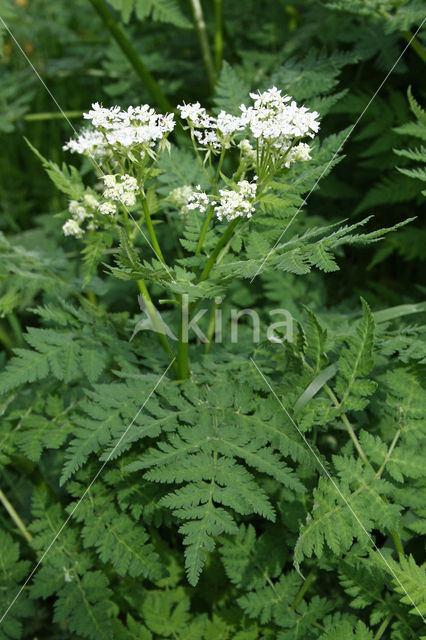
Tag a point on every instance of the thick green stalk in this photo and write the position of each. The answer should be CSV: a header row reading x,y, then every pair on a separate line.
x,y
200,26
309,580
218,35
131,54
15,517
182,353
383,626
223,240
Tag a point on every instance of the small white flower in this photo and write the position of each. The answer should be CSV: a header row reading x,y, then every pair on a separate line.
x,y
179,198
247,152
73,205
108,208
198,200
109,181
124,191
227,126
234,204
72,228
90,201
89,142
299,153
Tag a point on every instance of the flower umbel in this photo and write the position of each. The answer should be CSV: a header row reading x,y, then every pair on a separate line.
x,y
123,191
238,203
136,130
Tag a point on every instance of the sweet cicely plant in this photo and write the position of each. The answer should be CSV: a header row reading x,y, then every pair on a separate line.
x,y
126,148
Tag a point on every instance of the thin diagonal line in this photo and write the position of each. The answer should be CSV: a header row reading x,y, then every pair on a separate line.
x,y
58,533
336,487
339,148
76,133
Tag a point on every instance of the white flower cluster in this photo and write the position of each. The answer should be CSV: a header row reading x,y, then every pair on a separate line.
x,y
272,118
299,153
180,197
198,200
234,204
90,142
274,121
80,211
210,132
123,191
72,228
116,129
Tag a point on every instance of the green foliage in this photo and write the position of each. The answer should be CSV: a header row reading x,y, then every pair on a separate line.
x,y
13,571
277,493
158,10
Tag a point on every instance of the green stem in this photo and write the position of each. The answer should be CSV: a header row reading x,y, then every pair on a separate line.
x,y
4,338
383,627
211,328
218,36
204,231
154,319
349,428
36,117
309,580
131,54
415,44
222,241
16,328
15,517
151,232
143,288
219,167
182,353
200,26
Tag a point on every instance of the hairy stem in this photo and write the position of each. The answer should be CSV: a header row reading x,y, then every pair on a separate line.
x,y
131,54
200,26
15,517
